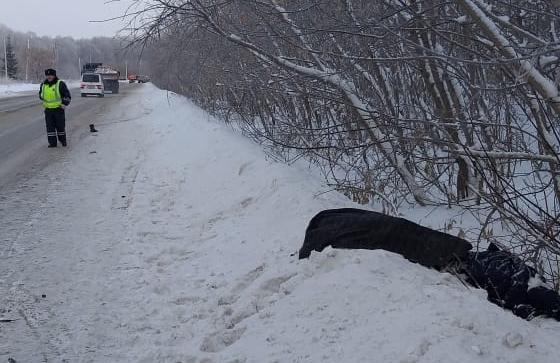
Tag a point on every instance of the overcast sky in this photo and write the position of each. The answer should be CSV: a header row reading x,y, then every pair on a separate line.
x,y
62,17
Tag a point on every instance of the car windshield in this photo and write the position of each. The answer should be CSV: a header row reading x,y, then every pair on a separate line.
x,y
94,78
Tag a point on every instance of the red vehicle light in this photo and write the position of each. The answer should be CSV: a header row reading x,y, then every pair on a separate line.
x,y
82,85
98,87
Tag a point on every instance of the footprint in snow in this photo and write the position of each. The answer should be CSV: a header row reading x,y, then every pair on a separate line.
x,y
218,341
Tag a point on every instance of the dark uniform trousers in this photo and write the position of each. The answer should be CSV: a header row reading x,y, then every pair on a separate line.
x,y
55,119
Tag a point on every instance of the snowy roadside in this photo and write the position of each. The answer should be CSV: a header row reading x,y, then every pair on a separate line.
x,y
166,237
12,89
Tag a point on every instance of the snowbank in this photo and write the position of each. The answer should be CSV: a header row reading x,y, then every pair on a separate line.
x,y
175,239
12,88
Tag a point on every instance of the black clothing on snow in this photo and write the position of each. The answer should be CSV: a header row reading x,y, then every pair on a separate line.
x,y
510,282
355,228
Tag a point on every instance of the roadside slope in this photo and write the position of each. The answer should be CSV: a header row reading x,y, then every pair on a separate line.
x,y
166,237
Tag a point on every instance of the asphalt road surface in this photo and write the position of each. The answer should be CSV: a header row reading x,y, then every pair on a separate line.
x,y
23,137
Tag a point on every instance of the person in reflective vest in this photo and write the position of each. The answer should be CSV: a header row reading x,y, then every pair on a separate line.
x,y
55,96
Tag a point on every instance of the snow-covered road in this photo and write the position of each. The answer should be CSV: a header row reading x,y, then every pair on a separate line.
x,y
23,138
167,237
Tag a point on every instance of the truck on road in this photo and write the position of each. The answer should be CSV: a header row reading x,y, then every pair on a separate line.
x,y
109,75
138,78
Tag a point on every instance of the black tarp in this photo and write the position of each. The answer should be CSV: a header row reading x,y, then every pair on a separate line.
x,y
362,229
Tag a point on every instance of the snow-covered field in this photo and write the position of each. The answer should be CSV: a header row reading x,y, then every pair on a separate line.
x,y
12,88
8,89
166,237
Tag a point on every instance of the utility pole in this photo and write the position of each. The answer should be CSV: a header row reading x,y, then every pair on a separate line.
x,y
5,59
79,65
55,54
126,68
27,60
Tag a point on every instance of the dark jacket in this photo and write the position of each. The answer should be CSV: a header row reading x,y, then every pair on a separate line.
x,y
64,91
512,284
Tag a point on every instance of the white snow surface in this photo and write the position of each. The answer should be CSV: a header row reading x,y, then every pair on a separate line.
x,y
13,88
10,88
167,237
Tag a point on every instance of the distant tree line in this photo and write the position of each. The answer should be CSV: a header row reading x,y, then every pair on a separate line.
x,y
425,102
31,54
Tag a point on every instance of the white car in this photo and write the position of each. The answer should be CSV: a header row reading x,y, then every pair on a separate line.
x,y
92,84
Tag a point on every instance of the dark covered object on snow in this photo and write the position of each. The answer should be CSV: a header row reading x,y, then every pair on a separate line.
x,y
356,228
511,283
504,276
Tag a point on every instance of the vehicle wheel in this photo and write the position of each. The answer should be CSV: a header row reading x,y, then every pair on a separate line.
x,y
101,96
84,95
